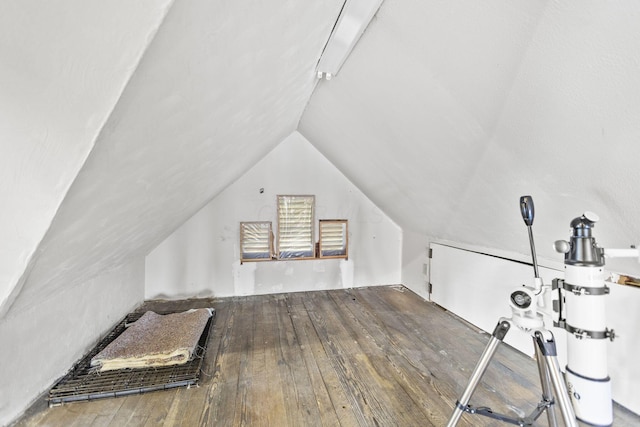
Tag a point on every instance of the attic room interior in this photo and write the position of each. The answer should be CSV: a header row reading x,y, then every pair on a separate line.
x,y
144,144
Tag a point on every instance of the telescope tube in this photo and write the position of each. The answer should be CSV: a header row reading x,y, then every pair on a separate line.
x,y
587,376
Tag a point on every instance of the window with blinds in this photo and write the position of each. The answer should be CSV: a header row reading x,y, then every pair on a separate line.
x,y
296,233
256,241
334,238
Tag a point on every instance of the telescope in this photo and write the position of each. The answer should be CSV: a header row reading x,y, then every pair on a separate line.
x,y
582,314
584,392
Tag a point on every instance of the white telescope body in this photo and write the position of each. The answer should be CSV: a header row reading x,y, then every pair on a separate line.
x,y
584,320
587,375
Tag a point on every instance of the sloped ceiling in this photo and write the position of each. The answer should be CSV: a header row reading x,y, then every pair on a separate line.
x,y
449,111
63,66
221,85
445,113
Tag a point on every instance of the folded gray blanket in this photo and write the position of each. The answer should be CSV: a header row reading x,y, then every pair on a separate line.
x,y
155,340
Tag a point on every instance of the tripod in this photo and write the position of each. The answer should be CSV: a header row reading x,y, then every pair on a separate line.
x,y
524,305
550,375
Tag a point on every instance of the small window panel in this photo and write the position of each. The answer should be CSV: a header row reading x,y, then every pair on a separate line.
x,y
334,238
296,232
256,241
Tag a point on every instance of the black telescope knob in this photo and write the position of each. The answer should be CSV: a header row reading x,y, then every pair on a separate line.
x,y
526,209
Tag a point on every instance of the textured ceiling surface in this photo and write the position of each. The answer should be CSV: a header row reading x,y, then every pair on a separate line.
x,y
448,112
221,84
444,115
63,66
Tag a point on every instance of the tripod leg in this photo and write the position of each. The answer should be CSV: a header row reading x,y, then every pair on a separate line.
x,y
496,338
548,350
545,381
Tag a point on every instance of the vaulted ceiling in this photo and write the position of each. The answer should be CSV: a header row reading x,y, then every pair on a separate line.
x,y
447,112
119,120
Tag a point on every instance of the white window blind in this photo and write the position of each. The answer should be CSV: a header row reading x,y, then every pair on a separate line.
x,y
256,241
333,238
296,231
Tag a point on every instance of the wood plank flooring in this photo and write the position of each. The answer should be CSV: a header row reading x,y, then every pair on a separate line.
x,y
378,356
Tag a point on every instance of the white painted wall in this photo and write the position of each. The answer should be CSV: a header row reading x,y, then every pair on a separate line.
x,y
415,263
476,287
41,343
201,258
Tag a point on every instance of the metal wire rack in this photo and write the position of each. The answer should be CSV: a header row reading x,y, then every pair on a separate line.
x,y
84,383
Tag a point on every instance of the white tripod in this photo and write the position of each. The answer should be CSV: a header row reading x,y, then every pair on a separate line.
x,y
527,304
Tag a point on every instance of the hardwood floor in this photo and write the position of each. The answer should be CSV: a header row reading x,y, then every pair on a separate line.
x,y
378,356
